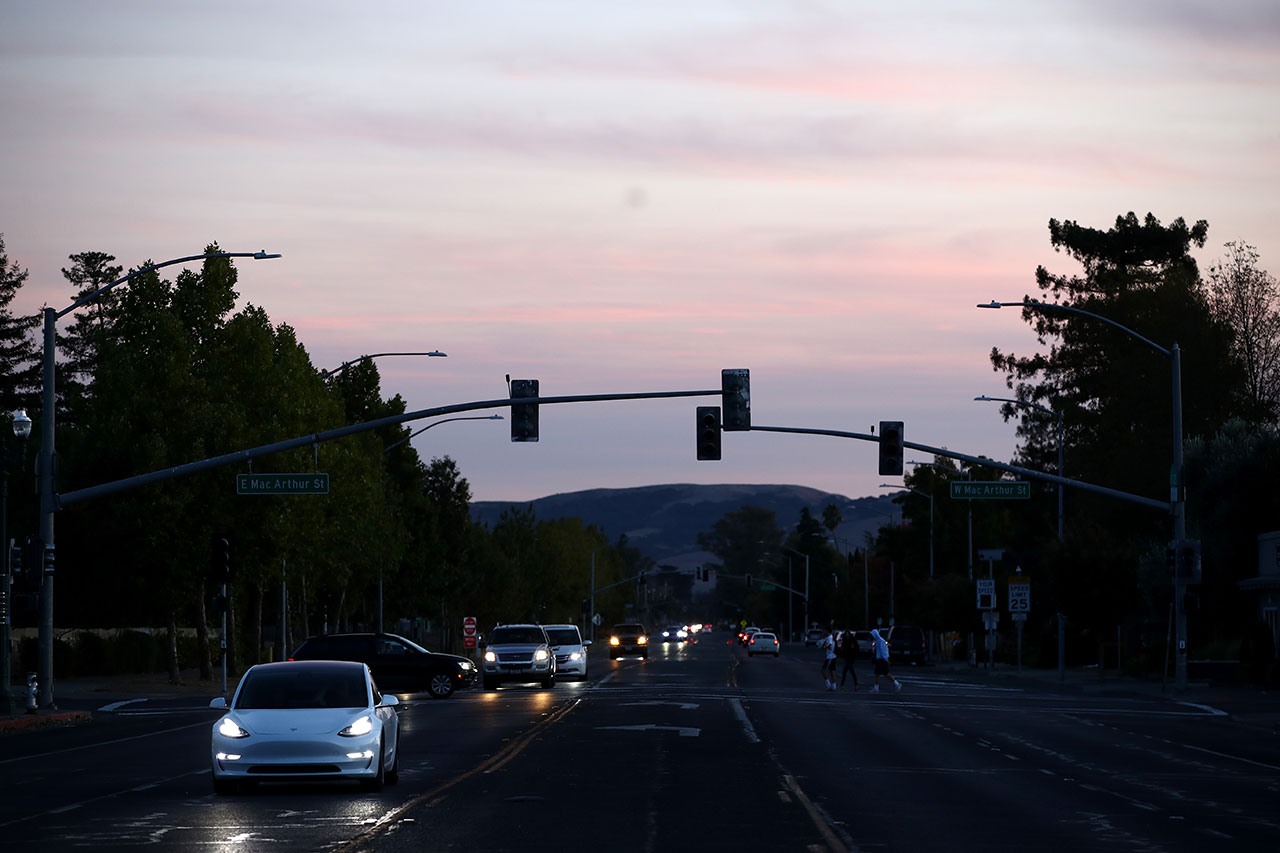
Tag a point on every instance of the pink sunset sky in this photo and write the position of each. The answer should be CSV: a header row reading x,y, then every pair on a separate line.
x,y
627,197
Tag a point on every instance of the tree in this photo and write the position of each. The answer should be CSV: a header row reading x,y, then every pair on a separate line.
x,y
1247,300
81,345
19,359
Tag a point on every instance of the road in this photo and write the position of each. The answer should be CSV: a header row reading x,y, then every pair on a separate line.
x,y
698,748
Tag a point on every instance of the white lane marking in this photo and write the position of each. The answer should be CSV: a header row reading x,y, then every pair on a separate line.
x,y
685,731
115,705
684,706
1208,708
741,714
71,806
1232,757
25,758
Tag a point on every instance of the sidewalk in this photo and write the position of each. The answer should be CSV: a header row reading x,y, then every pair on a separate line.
x,y
77,698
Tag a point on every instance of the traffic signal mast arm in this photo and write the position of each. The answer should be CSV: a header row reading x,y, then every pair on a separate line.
x,y
978,460
64,500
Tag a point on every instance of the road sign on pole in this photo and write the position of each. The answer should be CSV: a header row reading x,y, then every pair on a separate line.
x,y
986,594
995,489
1019,596
468,632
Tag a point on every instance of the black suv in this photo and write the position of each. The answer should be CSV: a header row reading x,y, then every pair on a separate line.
x,y
398,665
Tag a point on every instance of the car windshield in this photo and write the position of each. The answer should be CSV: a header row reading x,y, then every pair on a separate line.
x,y
516,635
628,629
303,687
564,636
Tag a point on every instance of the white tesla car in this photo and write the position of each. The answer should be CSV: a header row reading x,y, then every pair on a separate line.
x,y
306,720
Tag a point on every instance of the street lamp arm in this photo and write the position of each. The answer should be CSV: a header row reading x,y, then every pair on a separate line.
x,y
89,297
325,374
984,398
437,423
1054,306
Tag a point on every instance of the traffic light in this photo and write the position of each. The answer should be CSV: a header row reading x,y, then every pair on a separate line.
x,y
32,559
709,433
735,397
1187,561
890,448
524,416
15,559
220,563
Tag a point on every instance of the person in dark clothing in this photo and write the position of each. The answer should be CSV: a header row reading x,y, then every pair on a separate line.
x,y
848,654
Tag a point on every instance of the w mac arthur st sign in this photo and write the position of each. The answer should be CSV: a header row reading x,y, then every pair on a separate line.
x,y
282,484
997,489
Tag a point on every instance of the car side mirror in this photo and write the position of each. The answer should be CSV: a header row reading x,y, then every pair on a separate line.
x,y
586,642
219,702
388,699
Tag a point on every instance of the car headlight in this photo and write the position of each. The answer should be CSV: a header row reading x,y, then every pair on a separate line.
x,y
613,641
228,728
641,640
464,665
362,726
490,656
540,654
575,656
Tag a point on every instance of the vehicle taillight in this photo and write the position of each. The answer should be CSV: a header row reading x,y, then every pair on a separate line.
x,y
753,640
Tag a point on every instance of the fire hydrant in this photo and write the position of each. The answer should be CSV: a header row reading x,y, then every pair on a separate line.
x,y
33,690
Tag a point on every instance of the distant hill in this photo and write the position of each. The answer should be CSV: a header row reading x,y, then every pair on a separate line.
x,y
664,521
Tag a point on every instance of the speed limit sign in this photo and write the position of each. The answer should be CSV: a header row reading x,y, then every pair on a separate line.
x,y
1019,596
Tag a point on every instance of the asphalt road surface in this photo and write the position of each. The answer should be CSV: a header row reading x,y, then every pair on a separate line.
x,y
699,748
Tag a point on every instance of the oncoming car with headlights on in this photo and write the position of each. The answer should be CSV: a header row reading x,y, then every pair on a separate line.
x,y
629,638
306,721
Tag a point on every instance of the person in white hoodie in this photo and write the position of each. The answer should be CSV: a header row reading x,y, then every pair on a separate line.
x,y
882,662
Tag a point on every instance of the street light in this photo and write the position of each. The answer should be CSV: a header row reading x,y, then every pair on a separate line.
x,y
930,497
325,374
1177,497
47,456
21,429
806,581
391,447
416,433
1055,413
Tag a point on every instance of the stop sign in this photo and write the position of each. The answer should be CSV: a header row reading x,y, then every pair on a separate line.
x,y
468,626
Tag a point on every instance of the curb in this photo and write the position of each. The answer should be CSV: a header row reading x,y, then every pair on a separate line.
x,y
35,721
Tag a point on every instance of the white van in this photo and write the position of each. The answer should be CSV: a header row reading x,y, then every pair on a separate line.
x,y
570,651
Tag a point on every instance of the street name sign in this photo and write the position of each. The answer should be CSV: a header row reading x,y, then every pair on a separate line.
x,y
994,489
767,587
282,484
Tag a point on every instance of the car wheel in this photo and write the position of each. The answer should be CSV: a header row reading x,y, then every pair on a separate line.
x,y
440,686
775,654
224,787
375,784
548,682
490,684
393,775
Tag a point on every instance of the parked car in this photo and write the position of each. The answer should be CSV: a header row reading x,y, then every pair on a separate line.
x,y
570,650
399,665
907,644
519,653
763,643
628,638
306,720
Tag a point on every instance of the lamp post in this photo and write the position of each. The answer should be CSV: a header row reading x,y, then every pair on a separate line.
x,y
591,617
1177,497
806,581
390,447
47,457
21,429
1055,413
326,374
930,497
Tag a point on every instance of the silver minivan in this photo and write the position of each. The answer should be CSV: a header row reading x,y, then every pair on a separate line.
x,y
570,651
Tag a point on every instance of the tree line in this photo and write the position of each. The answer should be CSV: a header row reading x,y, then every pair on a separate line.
x,y
161,372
